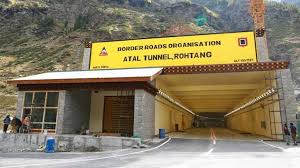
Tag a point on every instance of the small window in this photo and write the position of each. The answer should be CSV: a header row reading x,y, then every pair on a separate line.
x,y
26,112
39,99
50,115
41,108
28,99
52,99
49,126
36,126
37,115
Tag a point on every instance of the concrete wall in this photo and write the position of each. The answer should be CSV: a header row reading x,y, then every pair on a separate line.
x,y
251,118
163,115
97,108
187,121
285,109
86,59
287,94
167,115
74,111
144,114
60,112
262,49
20,101
65,143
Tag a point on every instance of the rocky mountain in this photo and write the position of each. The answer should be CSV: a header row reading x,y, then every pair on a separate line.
x,y
47,35
293,2
282,25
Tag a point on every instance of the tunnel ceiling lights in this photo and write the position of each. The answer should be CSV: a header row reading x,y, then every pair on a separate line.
x,y
268,93
170,99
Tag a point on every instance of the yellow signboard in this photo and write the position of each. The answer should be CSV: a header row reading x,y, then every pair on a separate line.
x,y
175,51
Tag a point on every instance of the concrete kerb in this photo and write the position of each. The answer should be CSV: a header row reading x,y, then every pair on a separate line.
x,y
17,142
65,143
155,141
282,146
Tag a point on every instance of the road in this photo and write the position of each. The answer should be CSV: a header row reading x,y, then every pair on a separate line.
x,y
174,153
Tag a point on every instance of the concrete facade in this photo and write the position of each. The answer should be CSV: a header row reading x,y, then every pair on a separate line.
x,y
262,49
60,112
74,111
97,108
79,108
144,114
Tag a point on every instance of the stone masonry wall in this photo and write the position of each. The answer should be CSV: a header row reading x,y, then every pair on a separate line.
x,y
262,49
286,92
74,111
144,114
60,112
21,97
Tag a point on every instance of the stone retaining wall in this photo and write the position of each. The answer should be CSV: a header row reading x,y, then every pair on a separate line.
x,y
65,143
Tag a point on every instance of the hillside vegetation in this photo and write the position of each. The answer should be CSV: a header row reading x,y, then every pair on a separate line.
x,y
47,35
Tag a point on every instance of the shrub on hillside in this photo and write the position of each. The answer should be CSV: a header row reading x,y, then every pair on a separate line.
x,y
81,22
45,25
119,1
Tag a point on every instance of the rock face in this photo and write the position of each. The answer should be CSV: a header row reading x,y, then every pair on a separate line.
x,y
42,35
294,2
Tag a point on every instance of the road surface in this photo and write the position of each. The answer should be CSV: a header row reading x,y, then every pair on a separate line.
x,y
174,153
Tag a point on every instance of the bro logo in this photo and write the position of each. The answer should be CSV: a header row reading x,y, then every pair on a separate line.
x,y
243,42
103,52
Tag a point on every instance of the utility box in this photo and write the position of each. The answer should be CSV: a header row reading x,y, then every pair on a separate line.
x,y
162,133
50,145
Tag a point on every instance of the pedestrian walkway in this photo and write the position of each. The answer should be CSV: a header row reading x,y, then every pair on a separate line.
x,y
284,147
220,133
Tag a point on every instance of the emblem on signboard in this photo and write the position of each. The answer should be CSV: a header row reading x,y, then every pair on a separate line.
x,y
243,42
103,52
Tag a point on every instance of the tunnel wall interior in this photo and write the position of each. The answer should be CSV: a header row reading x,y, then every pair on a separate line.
x,y
169,116
262,118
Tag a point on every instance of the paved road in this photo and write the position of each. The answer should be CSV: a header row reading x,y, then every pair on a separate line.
x,y
176,153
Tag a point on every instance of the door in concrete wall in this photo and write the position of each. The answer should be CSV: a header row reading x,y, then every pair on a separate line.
x,y
118,115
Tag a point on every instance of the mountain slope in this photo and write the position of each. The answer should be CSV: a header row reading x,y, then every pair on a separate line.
x,y
282,25
294,2
41,35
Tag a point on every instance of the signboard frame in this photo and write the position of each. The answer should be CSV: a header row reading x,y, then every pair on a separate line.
x,y
149,38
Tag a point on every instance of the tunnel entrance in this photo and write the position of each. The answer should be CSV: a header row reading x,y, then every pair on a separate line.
x,y
210,119
246,102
